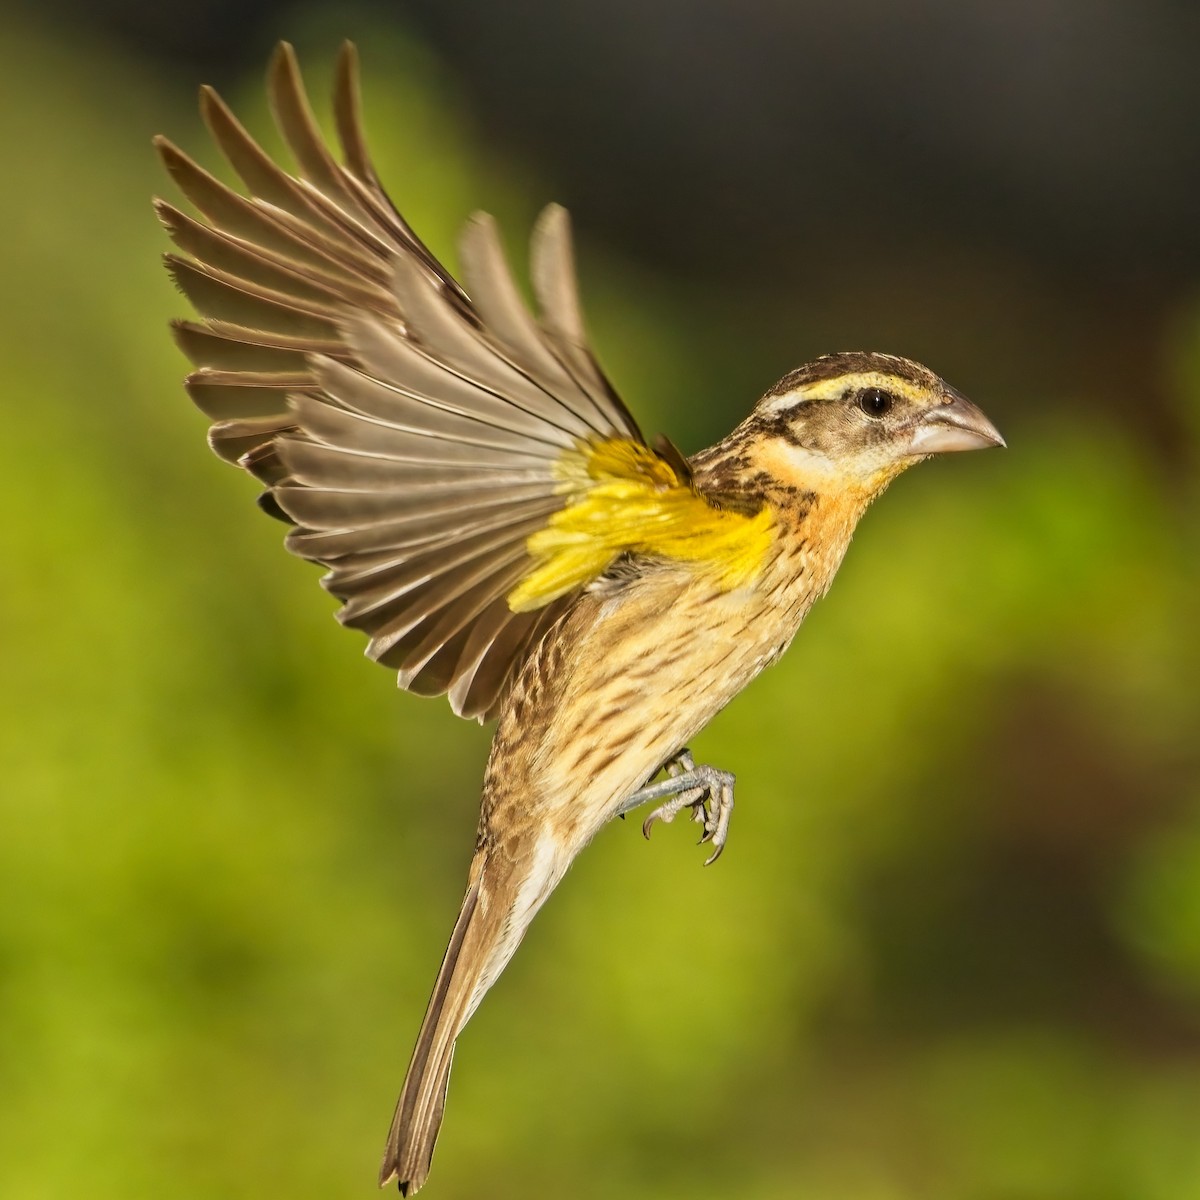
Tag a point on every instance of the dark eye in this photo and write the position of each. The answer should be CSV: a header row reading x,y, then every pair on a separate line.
x,y
875,402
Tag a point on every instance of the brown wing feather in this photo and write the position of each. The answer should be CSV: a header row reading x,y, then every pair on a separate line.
x,y
408,432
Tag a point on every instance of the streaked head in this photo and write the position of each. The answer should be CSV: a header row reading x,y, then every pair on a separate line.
x,y
858,419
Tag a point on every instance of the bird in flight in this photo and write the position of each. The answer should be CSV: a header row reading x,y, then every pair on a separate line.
x,y
490,515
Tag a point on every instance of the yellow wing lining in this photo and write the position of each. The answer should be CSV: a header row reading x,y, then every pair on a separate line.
x,y
625,498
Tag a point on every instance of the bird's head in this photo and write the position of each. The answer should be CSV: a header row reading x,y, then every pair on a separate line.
x,y
854,421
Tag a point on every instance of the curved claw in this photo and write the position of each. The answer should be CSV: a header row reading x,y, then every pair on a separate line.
x,y
717,829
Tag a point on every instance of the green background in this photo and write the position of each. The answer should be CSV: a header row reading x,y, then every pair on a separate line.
x,y
953,948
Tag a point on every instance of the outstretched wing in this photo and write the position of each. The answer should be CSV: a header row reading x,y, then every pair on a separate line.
x,y
413,432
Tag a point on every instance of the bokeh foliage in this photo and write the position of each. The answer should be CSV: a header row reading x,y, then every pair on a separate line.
x,y
952,952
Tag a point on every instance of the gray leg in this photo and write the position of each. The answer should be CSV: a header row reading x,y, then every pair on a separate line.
x,y
705,790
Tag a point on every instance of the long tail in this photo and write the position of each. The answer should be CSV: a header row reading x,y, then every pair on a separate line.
x,y
467,970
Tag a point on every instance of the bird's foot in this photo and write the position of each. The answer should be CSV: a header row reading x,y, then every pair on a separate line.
x,y
706,791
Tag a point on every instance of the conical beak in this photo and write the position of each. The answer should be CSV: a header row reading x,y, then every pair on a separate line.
x,y
956,425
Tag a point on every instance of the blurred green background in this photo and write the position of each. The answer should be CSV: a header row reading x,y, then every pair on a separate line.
x,y
953,950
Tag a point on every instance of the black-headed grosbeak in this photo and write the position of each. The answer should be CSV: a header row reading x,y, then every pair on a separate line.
x,y
491,516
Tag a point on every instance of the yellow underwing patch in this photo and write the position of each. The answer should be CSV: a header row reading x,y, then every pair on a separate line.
x,y
626,498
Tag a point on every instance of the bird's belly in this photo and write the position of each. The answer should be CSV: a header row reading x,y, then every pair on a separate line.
x,y
637,696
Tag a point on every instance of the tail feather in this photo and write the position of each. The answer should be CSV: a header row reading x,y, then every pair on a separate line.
x,y
504,894
419,1110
